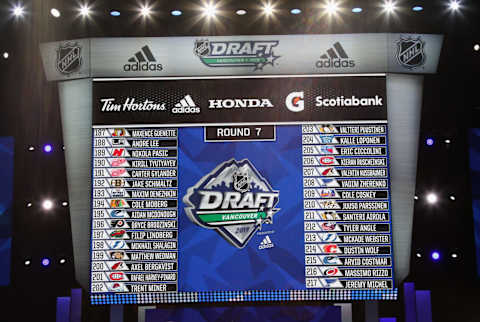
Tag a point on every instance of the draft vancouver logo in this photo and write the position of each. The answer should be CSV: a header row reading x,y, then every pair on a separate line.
x,y
256,54
233,199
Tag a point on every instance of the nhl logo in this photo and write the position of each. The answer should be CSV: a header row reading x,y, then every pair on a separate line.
x,y
202,47
410,52
241,183
69,58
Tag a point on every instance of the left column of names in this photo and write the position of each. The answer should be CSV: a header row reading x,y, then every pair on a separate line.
x,y
134,210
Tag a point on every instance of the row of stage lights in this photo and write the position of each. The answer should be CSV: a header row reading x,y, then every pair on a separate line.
x,y
436,255
44,262
210,10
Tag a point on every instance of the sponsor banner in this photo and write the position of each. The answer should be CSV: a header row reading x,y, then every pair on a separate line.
x,y
246,100
242,55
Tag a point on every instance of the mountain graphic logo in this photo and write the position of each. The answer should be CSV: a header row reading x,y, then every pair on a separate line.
x,y
214,203
335,57
266,243
186,106
143,61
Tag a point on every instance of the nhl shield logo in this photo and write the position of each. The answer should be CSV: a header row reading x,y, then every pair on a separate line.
x,y
202,47
241,182
410,52
69,58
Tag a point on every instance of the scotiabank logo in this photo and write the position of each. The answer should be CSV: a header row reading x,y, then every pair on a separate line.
x,y
294,101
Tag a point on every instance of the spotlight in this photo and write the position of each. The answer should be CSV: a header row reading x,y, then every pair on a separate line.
x,y
448,141
27,262
84,10
55,12
454,255
18,11
357,10
241,12
210,10
29,204
65,203
331,7
389,6
429,141
115,13
6,55
432,198
416,197
47,204
176,13
62,261
295,11
435,256
452,198
267,9
454,5
47,148
145,11
417,8
418,255
31,148
476,47
45,262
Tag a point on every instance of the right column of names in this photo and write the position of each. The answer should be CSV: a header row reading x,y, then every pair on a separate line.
x,y
347,224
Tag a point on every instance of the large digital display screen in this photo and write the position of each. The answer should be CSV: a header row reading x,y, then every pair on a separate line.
x,y
6,207
475,180
240,189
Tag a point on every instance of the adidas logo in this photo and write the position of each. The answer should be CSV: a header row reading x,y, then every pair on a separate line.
x,y
335,57
143,60
266,243
186,106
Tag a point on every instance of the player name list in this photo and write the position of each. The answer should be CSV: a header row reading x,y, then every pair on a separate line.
x,y
135,209
347,224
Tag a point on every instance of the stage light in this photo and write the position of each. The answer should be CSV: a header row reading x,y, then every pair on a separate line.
x,y
389,6
417,8
145,11
454,255
241,12
295,11
357,10
115,13
6,55
418,255
31,148
430,141
432,198
452,198
84,10
435,256
331,7
29,204
454,5
47,204
65,203
176,13
416,197
209,10
18,11
27,262
47,148
448,141
45,262
267,9
62,261
476,47
55,12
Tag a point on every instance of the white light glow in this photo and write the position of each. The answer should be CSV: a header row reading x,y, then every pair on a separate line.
x,y
55,12
84,10
210,10
18,11
454,5
47,204
389,6
432,198
331,7
268,9
145,11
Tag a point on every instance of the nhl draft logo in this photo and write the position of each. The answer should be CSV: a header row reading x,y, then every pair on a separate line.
x,y
256,54
69,58
410,52
233,199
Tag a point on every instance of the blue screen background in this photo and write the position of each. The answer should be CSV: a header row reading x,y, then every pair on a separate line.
x,y
6,207
475,182
206,260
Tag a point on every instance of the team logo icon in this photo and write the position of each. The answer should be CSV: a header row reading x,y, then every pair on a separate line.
x,y
331,249
118,132
410,52
331,271
118,223
329,215
329,183
116,244
329,238
118,214
118,255
329,204
117,287
117,266
234,199
118,142
330,260
327,129
117,183
69,58
118,233
117,203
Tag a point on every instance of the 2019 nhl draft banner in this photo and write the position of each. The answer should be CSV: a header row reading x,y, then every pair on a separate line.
x,y
245,189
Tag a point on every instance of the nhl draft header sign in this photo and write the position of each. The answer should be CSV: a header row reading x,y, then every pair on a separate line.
x,y
242,55
240,189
